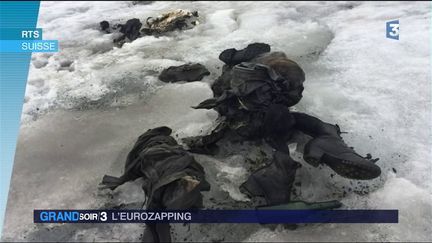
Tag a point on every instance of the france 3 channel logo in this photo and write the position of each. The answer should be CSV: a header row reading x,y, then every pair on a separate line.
x,y
392,29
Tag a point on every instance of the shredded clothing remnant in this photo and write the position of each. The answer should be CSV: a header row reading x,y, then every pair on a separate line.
x,y
172,178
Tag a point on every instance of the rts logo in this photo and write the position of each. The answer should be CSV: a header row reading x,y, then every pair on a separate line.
x,y
392,29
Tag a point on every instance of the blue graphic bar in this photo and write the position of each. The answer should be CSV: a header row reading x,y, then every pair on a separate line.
x,y
14,70
216,216
20,34
28,45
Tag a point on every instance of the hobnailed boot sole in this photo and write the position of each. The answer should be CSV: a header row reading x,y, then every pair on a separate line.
x,y
353,170
355,167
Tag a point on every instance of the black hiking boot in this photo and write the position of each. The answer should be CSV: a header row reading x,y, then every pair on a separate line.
x,y
333,151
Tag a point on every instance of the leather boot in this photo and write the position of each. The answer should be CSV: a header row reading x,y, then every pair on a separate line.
x,y
331,150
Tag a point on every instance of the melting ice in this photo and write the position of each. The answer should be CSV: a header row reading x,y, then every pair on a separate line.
x,y
85,106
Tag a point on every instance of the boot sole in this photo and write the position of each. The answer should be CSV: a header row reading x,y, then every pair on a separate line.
x,y
359,170
353,170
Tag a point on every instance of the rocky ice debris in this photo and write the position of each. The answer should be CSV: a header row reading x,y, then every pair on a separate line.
x,y
66,65
186,72
130,30
141,2
104,26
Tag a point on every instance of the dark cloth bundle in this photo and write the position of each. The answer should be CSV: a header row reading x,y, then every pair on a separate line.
x,y
172,178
